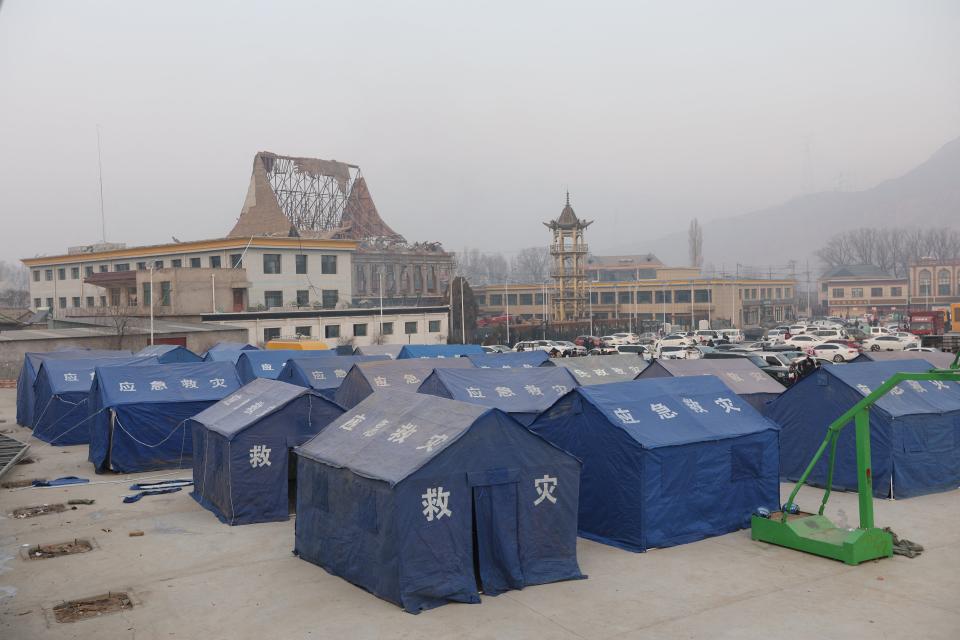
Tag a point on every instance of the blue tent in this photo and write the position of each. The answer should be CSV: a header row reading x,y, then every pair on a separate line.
x,y
439,350
511,360
269,362
941,359
323,375
914,430
406,375
227,352
666,461
26,401
523,394
241,448
139,413
405,495
389,350
745,378
62,391
168,353
592,370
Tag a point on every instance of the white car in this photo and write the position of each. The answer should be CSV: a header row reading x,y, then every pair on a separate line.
x,y
543,345
923,349
675,340
831,334
805,341
798,329
776,336
887,343
571,349
668,352
626,338
835,352
905,336
735,336
878,331
703,336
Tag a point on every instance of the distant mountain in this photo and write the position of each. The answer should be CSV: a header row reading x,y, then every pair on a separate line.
x,y
928,195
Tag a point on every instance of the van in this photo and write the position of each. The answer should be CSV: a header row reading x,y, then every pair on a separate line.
x,y
733,335
879,331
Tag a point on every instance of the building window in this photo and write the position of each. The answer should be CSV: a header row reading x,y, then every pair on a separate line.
x,y
512,298
682,295
141,266
925,285
158,264
131,296
876,292
36,303
856,292
49,303
165,292
215,262
74,273
787,292
432,279
410,328
48,274
838,293
103,301
271,263
328,265
386,329
360,330
63,303
75,302
331,331
433,326
61,274
701,295
90,301
624,297
329,298
236,260
36,276
123,266
271,333
496,299
943,283
662,297
303,297
526,298
538,299
272,299
779,291
644,297
147,294
176,263
481,300
114,297
301,263
896,292
194,263
304,332
607,297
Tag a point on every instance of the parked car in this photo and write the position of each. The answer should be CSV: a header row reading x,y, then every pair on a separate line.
x,y
887,343
905,336
878,331
626,338
777,336
836,352
703,336
687,352
587,341
923,349
733,335
608,341
495,348
675,340
572,349
798,329
774,368
855,334
806,342
549,346
831,335
635,349
647,338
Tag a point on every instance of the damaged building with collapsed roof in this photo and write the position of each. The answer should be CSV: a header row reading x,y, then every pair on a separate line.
x,y
327,199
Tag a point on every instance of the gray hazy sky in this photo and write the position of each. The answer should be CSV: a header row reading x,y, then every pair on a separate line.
x,y
469,120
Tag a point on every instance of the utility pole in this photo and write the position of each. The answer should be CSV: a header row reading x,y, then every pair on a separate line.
x,y
151,304
463,316
506,300
103,219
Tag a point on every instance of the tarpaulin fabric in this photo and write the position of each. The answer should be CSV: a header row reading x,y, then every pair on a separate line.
x,y
666,461
389,350
522,393
241,444
511,360
937,359
745,378
62,389
439,350
227,352
324,375
914,428
386,498
26,400
405,375
168,353
232,346
139,413
593,370
268,363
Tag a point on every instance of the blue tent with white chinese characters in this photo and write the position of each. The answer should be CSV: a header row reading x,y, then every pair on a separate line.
x,y
389,350
592,370
268,363
139,413
62,390
407,493
404,375
169,353
666,461
323,375
914,429
241,448
745,378
439,350
511,360
939,359
523,394
26,400
227,352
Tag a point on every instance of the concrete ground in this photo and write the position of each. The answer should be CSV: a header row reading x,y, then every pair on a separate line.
x,y
193,577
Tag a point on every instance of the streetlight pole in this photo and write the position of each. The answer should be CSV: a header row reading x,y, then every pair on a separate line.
x,y
506,300
151,304
590,303
463,316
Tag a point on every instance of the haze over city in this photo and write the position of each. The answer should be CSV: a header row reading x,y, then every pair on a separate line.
x,y
468,123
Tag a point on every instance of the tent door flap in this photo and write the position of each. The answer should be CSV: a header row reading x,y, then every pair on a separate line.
x,y
497,536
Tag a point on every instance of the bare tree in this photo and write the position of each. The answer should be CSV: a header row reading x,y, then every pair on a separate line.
x,y
891,249
532,264
695,243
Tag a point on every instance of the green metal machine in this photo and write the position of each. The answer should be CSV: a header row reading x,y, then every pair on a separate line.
x,y
815,533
